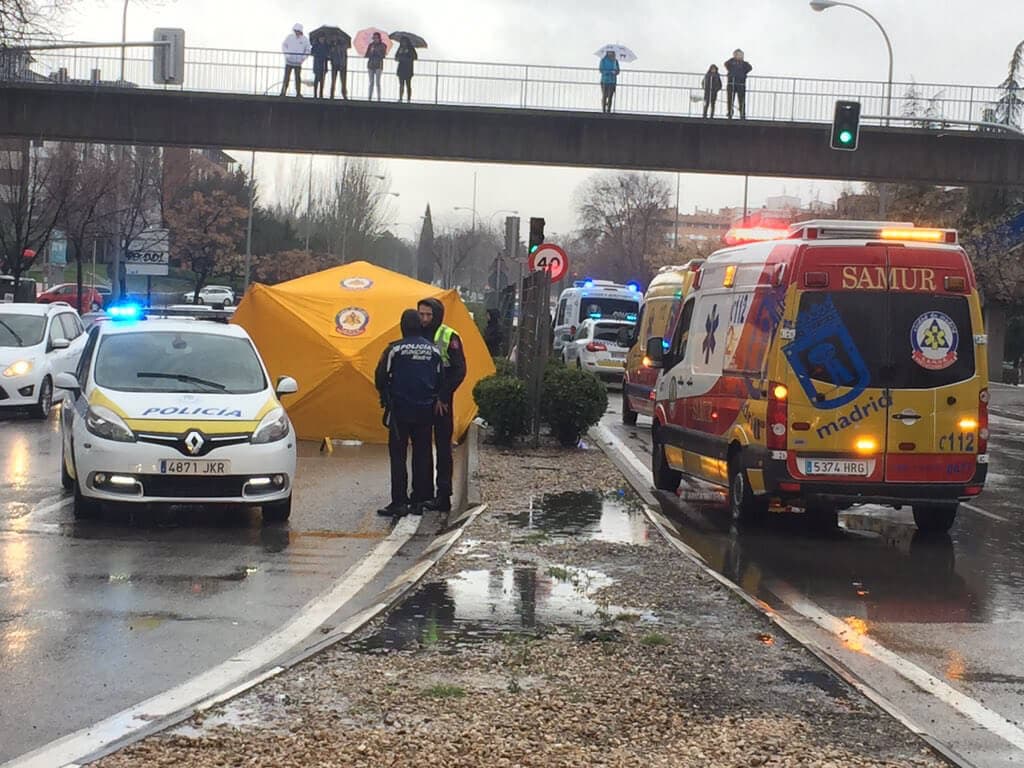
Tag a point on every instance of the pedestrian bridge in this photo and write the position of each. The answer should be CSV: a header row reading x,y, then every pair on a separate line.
x,y
509,113
504,135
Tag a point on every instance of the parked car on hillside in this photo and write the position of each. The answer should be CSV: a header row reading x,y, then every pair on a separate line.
x,y
214,295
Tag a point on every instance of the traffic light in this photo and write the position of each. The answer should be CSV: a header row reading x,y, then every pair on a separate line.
x,y
536,234
846,125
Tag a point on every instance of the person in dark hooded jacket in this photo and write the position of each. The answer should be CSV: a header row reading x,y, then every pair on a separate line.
x,y
409,380
453,357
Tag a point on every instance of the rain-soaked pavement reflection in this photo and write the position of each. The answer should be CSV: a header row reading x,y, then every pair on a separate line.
x,y
483,604
616,517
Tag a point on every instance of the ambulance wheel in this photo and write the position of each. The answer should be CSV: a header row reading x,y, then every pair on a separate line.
x,y
278,511
822,516
744,506
628,414
935,518
665,478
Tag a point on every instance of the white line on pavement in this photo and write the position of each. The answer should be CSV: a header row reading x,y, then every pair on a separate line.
x,y
986,513
988,719
72,748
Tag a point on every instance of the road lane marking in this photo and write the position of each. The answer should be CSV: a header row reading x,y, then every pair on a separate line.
x,y
974,710
71,749
986,513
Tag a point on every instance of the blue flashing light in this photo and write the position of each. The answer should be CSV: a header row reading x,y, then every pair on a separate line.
x,y
631,317
595,315
633,286
588,283
665,344
125,312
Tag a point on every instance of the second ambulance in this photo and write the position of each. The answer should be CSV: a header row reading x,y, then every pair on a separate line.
x,y
843,365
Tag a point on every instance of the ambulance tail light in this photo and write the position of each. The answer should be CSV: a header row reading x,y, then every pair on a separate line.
x,y
983,421
777,417
816,280
697,278
955,283
596,346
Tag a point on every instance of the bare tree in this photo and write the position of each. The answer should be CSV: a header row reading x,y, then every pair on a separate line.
x,y
464,255
623,214
139,197
21,20
349,208
90,212
33,194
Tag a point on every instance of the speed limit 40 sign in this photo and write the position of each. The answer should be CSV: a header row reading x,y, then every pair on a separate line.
x,y
551,258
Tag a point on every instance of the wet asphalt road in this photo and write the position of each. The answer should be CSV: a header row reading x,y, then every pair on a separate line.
x,y
97,616
952,605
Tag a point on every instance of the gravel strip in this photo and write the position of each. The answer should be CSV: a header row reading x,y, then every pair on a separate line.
x,y
553,644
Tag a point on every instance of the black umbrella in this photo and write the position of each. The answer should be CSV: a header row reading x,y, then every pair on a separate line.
x,y
332,35
415,40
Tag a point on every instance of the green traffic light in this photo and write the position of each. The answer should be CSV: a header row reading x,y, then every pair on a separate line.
x,y
534,248
846,137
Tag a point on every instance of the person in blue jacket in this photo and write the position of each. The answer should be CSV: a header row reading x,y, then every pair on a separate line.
x,y
609,77
409,380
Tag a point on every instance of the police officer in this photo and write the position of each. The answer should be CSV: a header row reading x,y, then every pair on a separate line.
x,y
453,356
408,378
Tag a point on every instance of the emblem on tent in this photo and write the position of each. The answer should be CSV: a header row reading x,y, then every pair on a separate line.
x,y
357,283
352,321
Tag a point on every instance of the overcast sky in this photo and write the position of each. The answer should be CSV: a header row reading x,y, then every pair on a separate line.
x,y
947,41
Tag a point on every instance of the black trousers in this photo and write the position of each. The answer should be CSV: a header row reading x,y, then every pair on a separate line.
x,y
709,104
444,430
607,96
401,433
288,70
739,90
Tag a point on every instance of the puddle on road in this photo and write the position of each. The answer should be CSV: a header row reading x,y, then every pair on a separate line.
x,y
478,605
616,517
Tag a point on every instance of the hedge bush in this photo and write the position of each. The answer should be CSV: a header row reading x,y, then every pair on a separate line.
x,y
574,401
502,404
504,367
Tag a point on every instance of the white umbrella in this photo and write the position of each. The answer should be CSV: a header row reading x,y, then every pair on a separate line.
x,y
622,53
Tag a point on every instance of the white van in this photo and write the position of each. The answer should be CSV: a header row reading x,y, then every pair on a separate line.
x,y
593,300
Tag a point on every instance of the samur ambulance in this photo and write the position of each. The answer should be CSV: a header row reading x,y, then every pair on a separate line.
x,y
843,365
175,411
593,300
661,303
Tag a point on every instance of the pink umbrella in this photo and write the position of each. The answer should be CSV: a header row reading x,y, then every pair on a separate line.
x,y
365,36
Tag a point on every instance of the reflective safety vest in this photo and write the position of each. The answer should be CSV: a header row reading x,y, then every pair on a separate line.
x,y
443,338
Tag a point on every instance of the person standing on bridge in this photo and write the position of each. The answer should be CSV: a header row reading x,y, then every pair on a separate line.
x,y
295,48
409,380
453,357
738,69
375,53
712,85
609,68
321,52
405,57
338,56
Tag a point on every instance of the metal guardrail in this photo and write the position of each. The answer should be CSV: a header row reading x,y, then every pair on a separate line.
x,y
523,86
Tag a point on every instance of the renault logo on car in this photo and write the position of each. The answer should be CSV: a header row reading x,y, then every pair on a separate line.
x,y
194,442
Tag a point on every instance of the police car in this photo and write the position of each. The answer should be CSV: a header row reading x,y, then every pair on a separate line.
x,y
175,411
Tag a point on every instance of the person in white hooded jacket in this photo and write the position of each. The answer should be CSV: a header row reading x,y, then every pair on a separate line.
x,y
295,48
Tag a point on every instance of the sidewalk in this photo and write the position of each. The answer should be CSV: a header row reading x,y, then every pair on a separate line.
x,y
561,631
1007,401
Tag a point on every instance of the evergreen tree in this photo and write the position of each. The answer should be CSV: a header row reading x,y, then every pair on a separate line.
x,y
425,250
1010,107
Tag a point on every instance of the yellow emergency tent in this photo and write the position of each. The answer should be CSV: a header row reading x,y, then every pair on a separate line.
x,y
328,330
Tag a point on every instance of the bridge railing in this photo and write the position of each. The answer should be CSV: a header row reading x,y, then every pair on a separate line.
x,y
485,84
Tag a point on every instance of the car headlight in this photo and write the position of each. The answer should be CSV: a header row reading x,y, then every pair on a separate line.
x,y
19,368
104,423
272,428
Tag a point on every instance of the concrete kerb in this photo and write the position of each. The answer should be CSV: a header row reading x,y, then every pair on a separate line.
x,y
626,462
388,598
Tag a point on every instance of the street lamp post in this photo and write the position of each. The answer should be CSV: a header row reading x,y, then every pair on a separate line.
x,y
822,5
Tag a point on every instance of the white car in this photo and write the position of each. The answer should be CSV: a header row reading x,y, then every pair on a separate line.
x,y
600,347
176,412
37,342
214,295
